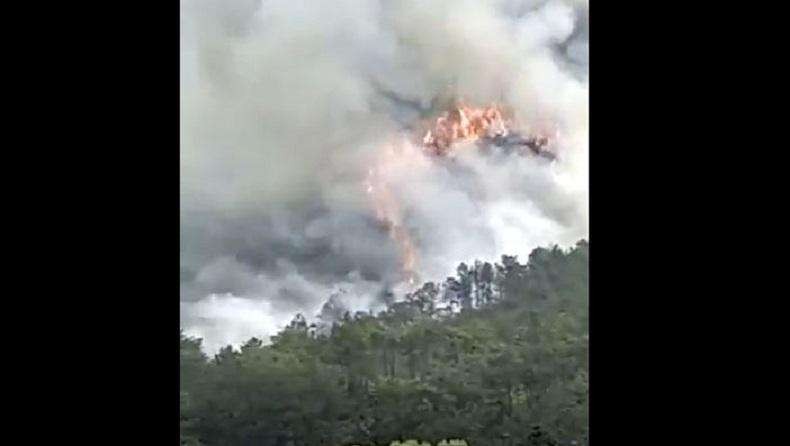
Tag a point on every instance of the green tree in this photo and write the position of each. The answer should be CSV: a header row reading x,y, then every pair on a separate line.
x,y
509,369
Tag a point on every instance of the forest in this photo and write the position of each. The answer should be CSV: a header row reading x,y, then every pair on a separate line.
x,y
496,355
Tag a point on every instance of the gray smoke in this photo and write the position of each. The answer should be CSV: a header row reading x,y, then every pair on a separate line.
x,y
286,103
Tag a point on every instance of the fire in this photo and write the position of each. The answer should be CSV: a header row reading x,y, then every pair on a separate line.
x,y
389,212
461,124
464,124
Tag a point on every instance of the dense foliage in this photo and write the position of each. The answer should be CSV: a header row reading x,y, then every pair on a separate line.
x,y
496,355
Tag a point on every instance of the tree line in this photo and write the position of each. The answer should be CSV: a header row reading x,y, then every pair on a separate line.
x,y
496,355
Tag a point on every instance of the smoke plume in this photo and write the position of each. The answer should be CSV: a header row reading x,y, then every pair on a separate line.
x,y
287,105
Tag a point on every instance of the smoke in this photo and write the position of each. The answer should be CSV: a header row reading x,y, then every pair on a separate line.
x,y
285,105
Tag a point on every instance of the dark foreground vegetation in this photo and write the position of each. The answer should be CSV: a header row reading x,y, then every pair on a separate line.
x,y
507,366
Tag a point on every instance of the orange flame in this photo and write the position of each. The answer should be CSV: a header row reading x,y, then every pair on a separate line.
x,y
461,124
389,213
464,124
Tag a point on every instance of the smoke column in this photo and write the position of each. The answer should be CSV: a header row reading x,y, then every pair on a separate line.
x,y
286,106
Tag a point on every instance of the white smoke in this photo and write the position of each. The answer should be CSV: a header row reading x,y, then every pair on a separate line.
x,y
240,304
285,104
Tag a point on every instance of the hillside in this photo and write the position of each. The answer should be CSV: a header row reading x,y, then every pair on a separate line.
x,y
497,354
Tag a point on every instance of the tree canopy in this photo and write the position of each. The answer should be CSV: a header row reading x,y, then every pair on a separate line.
x,y
497,355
